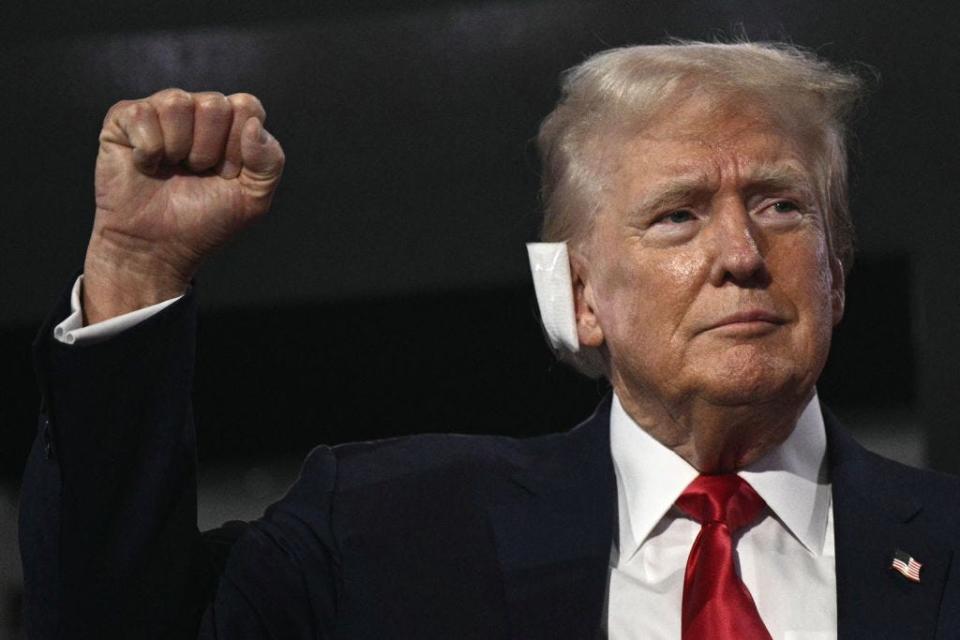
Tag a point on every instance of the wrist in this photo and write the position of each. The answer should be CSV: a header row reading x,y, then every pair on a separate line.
x,y
116,282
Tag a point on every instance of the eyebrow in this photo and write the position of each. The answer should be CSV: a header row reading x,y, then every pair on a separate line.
x,y
779,177
673,192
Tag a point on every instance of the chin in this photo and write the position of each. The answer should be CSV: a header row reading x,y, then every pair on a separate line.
x,y
756,380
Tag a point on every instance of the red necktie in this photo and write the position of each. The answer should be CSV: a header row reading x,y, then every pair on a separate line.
x,y
716,603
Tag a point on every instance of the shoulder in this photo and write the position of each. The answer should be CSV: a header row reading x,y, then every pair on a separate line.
x,y
425,469
931,497
379,497
938,492
456,458
429,457
439,478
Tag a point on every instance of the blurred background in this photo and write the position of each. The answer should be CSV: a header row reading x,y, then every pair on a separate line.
x,y
387,292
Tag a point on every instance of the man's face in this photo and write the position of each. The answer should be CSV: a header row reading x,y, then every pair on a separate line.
x,y
707,274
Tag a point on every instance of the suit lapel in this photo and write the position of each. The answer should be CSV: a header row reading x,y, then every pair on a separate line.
x,y
553,524
876,511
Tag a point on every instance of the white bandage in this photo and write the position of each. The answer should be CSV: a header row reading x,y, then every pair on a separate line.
x,y
550,266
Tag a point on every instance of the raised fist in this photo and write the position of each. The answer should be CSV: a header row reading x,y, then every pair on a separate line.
x,y
178,174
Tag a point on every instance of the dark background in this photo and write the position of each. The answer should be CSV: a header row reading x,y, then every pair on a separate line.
x,y
387,291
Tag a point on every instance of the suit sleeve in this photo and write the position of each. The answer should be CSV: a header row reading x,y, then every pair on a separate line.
x,y
108,532
108,516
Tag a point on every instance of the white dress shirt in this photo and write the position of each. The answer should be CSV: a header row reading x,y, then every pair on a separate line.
x,y
72,331
786,559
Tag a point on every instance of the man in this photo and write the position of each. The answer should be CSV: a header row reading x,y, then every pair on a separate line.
x,y
700,192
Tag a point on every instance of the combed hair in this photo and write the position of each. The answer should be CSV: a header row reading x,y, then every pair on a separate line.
x,y
621,91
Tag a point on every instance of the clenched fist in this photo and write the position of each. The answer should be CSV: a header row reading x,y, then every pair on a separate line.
x,y
178,174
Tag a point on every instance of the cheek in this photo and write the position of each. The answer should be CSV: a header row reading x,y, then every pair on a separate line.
x,y
644,300
621,300
808,281
681,271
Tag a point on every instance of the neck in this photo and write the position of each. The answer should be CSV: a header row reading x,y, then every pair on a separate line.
x,y
711,437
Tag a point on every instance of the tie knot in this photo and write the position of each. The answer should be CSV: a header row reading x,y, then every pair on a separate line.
x,y
722,498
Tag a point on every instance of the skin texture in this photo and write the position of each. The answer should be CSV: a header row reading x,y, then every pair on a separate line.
x,y
178,175
707,282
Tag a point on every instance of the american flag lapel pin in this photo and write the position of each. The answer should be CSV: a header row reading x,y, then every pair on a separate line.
x,y
904,564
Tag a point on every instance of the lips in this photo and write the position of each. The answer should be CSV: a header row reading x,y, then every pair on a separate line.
x,y
750,318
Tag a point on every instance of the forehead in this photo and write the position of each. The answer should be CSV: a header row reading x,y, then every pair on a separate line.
x,y
698,145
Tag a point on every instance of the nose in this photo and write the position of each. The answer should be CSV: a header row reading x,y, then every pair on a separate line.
x,y
738,255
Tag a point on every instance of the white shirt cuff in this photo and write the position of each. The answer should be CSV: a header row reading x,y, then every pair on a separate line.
x,y
72,331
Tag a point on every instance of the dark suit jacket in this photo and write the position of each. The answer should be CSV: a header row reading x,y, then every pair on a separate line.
x,y
438,536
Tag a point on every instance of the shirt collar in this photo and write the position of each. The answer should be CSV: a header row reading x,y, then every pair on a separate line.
x,y
791,478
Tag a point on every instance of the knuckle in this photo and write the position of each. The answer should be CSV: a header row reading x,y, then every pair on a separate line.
x,y
211,102
137,109
120,104
173,99
247,103
114,109
130,112
120,108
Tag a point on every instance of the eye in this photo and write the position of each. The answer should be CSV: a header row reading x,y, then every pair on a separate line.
x,y
780,214
677,217
785,206
673,227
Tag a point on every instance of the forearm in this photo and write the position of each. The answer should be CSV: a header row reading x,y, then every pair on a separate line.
x,y
108,525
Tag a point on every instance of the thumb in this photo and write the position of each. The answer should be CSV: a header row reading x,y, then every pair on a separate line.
x,y
260,152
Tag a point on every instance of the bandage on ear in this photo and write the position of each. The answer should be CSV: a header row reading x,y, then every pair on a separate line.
x,y
550,267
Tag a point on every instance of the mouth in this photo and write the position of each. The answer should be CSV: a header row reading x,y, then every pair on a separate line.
x,y
748,322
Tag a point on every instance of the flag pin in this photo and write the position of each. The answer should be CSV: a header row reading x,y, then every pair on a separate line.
x,y
904,564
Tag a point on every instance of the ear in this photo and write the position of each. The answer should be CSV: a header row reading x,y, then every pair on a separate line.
x,y
589,331
838,289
